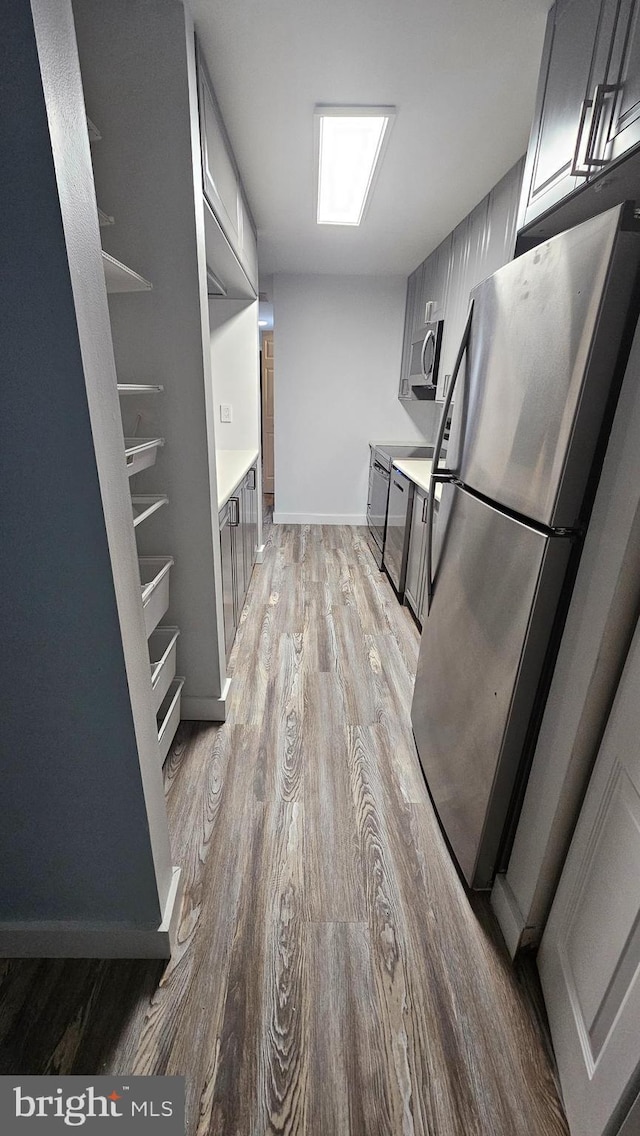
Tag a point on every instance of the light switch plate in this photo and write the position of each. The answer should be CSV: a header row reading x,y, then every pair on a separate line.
x,y
226,412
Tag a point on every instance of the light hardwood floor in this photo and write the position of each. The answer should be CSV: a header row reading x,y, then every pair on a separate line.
x,y
331,978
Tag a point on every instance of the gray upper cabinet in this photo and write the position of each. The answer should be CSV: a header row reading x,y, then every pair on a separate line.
x,y
248,243
502,217
620,119
220,179
414,284
588,106
478,246
457,300
553,155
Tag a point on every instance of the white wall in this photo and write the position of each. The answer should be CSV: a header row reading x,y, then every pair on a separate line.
x,y
234,371
337,347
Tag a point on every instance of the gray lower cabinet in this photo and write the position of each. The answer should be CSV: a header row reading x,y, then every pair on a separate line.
x,y
227,549
238,542
249,524
415,582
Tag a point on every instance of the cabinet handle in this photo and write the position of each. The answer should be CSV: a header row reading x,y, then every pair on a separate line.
x,y
575,168
602,92
252,475
425,501
234,520
596,104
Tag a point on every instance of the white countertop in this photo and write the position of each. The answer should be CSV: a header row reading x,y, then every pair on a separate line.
x,y
418,470
231,466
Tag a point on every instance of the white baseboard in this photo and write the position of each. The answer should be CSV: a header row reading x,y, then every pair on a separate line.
x,y
58,939
319,519
260,551
506,910
206,709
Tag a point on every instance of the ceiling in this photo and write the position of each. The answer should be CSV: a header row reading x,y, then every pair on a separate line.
x,y
462,74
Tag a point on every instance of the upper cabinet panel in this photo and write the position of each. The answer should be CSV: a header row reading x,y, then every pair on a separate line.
x,y
481,243
584,152
218,175
562,120
620,98
504,200
221,182
248,244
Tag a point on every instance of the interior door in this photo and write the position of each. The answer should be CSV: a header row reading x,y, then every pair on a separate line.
x,y
268,473
589,959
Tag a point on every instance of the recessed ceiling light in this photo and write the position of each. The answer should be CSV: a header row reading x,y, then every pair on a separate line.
x,y
350,144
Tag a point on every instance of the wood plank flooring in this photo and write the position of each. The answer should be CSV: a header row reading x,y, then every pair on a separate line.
x,y
331,977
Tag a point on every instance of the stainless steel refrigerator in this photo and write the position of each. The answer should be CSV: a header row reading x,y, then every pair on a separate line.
x,y
549,334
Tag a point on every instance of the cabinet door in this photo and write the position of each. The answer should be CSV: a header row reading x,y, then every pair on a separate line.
x,y
564,85
415,562
413,285
241,539
477,237
589,958
427,291
248,243
621,103
502,217
228,578
219,180
441,260
457,304
253,522
249,524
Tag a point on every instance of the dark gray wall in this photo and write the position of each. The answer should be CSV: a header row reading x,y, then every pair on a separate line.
x,y
74,838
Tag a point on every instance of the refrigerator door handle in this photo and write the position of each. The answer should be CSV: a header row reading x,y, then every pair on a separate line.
x,y
442,475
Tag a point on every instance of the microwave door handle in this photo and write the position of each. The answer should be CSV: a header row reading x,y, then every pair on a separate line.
x,y
423,353
444,475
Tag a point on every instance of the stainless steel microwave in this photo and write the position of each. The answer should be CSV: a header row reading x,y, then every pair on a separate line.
x,y
425,360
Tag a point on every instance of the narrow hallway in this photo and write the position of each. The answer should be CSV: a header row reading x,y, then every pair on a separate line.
x,y
331,978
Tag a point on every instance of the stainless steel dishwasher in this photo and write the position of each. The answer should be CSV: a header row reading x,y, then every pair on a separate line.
x,y
396,545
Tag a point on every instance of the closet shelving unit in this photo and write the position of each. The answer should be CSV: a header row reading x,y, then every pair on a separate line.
x,y
146,505
155,571
139,388
141,453
119,278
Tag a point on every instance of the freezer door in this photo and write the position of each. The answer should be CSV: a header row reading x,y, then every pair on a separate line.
x,y
496,590
545,337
